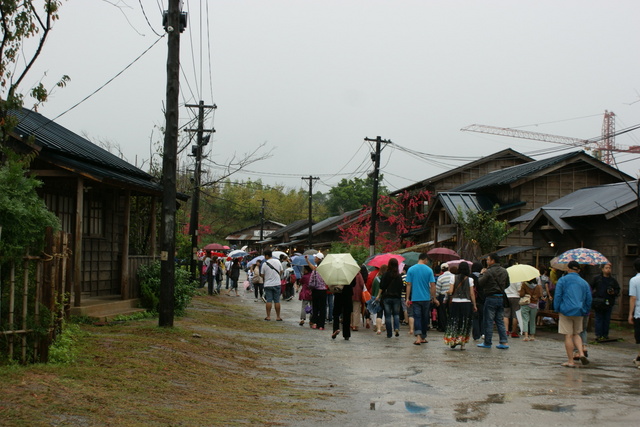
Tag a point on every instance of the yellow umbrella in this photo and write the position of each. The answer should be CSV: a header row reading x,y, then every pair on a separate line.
x,y
338,269
522,273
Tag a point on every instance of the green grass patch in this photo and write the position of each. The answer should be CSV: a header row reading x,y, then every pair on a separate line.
x,y
211,368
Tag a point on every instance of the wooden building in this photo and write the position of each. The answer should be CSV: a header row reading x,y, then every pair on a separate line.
x,y
605,218
100,199
516,190
250,236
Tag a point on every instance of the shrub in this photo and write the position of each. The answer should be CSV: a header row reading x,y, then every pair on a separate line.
x,y
150,288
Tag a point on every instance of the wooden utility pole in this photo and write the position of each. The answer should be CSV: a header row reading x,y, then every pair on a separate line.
x,y
374,199
196,152
169,160
311,179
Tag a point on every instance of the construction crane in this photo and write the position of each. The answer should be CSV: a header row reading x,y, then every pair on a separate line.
x,y
604,145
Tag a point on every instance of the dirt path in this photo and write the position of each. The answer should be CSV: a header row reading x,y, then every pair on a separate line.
x,y
374,380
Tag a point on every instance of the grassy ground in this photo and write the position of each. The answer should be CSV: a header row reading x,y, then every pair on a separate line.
x,y
212,368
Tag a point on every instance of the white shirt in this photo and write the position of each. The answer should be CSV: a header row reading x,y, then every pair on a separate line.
x,y
634,291
271,276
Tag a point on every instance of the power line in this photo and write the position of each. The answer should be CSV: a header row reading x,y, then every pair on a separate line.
x,y
147,19
108,81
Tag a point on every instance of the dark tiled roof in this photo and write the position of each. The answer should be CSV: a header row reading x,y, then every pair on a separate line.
x,y
64,148
294,226
326,224
507,153
465,201
509,175
608,200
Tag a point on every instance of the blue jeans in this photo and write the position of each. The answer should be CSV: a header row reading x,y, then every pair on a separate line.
x,y
603,318
494,313
421,318
392,307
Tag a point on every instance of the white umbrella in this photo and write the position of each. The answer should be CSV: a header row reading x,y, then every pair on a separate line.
x,y
276,254
522,273
338,269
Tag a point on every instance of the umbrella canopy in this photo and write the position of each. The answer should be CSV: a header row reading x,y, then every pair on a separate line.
x,y
310,252
457,262
237,253
218,254
382,259
522,273
443,254
301,261
277,254
411,258
226,247
254,260
338,269
213,247
583,256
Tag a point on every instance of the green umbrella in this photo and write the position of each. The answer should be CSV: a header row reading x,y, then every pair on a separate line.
x,y
410,258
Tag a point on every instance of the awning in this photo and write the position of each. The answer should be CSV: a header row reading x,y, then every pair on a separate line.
x,y
512,250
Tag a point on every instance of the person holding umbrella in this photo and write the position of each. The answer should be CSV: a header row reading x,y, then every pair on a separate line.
x,y
391,291
318,294
573,302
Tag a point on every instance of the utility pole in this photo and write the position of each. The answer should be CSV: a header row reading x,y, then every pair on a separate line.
x,y
374,199
262,220
196,151
172,20
311,179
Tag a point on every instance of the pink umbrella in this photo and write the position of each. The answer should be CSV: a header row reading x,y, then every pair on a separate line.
x,y
457,262
213,247
443,254
382,259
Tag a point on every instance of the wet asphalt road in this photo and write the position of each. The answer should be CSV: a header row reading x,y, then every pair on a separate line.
x,y
375,380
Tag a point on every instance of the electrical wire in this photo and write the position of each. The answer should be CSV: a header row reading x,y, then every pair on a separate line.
x,y
147,19
104,85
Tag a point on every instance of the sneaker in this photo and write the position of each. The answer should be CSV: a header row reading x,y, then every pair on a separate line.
x,y
515,335
264,300
502,346
483,345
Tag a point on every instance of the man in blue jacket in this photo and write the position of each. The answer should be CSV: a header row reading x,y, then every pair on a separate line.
x,y
572,301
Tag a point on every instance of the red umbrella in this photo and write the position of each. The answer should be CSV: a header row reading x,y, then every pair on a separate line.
x,y
218,254
382,259
443,254
213,247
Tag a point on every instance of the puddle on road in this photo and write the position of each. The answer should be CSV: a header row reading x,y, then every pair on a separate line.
x,y
553,408
409,406
476,411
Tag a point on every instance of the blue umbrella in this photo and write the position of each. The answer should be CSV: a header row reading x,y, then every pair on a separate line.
x,y
256,259
301,261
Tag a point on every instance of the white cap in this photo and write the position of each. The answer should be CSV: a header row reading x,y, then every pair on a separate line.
x,y
319,255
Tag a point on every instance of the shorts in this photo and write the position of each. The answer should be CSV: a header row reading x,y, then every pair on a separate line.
x,y
569,325
272,294
514,305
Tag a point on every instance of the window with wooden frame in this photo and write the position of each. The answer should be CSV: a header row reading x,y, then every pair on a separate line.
x,y
93,218
63,207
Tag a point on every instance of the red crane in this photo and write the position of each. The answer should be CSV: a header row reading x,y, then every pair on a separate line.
x,y
604,146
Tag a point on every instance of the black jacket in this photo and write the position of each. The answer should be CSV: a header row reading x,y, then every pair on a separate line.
x,y
494,281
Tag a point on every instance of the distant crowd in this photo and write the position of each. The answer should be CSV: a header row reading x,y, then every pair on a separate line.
x,y
464,300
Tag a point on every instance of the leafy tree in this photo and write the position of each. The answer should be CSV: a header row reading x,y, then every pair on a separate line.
x,y
23,215
481,230
392,224
352,194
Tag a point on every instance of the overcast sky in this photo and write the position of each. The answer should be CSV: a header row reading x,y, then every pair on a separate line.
x,y
312,79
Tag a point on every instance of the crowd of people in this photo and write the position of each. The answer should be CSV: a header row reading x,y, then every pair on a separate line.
x,y
465,301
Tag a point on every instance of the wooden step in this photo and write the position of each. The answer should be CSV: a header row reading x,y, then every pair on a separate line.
x,y
106,307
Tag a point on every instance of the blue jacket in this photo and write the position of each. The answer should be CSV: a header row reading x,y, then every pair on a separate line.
x,y
572,296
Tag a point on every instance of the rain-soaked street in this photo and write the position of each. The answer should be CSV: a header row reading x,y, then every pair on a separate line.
x,y
375,380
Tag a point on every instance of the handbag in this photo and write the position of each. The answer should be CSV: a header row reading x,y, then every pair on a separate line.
x,y
525,300
366,295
